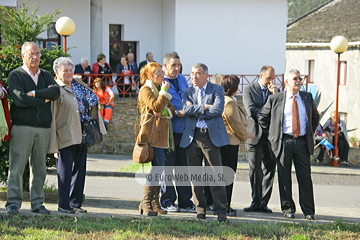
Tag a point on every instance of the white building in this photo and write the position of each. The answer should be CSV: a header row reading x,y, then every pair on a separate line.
x,y
230,36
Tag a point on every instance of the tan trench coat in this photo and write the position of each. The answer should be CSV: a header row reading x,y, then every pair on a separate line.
x,y
65,125
157,126
235,121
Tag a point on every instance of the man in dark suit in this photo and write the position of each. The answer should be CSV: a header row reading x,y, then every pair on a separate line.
x,y
149,58
204,134
291,118
83,67
261,165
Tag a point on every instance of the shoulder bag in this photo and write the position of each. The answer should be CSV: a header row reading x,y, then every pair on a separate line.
x,y
91,134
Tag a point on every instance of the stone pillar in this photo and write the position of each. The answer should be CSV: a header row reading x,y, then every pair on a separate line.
x,y
96,26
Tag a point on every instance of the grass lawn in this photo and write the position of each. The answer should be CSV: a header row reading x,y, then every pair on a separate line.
x,y
90,227
133,167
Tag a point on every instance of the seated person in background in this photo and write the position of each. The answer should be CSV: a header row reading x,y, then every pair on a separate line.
x,y
343,143
320,134
101,67
106,100
125,81
83,67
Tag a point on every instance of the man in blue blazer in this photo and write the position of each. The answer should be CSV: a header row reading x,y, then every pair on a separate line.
x,y
290,118
204,134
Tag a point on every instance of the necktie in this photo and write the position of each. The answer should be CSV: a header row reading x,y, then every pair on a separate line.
x,y
201,123
295,118
264,93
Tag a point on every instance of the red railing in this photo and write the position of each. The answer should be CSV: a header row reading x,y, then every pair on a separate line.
x,y
131,90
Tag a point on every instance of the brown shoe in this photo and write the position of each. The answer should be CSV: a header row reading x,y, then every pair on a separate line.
x,y
155,200
145,204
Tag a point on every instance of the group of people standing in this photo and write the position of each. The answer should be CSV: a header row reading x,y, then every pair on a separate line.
x,y
46,118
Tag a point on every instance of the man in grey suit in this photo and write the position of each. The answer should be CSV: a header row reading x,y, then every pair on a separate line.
x,y
204,134
261,165
291,118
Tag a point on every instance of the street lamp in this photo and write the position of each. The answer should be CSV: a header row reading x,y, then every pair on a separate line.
x,y
338,45
65,26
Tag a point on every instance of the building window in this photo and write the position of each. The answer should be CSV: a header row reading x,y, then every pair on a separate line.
x,y
343,116
311,67
117,47
52,40
343,73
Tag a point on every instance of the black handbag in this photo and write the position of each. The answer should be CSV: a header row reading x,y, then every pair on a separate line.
x,y
91,134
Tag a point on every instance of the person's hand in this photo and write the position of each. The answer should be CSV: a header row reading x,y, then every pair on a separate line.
x,y
158,114
107,104
165,84
180,113
207,106
324,135
188,103
29,93
251,135
86,73
47,100
272,87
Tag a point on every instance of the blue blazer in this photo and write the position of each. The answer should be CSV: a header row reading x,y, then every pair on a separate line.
x,y
214,95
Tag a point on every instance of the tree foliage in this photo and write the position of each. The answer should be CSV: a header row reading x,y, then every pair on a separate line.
x,y
18,26
297,8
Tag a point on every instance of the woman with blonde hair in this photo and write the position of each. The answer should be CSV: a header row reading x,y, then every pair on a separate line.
x,y
106,100
155,127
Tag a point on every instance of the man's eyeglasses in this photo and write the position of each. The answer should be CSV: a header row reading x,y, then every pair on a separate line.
x,y
297,78
196,74
31,55
159,74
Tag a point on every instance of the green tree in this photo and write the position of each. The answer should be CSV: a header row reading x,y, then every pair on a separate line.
x,y
18,26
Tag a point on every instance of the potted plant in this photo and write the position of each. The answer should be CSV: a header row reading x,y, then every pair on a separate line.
x,y
353,141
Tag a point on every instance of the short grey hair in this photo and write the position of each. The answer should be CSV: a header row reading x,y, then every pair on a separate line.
x,y
289,74
23,47
201,65
216,79
84,59
62,61
172,55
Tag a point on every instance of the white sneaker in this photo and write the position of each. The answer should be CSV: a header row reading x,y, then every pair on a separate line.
x,y
344,163
191,209
171,208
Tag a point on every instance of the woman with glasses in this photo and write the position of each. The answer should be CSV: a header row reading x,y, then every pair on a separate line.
x,y
155,127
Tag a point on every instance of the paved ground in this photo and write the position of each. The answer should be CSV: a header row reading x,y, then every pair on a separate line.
x,y
110,193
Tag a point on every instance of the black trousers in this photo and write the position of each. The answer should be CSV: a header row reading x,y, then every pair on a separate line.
x,y
294,150
202,147
229,158
176,158
261,172
71,170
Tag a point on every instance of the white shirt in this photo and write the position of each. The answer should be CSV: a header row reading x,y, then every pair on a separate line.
x,y
287,121
199,100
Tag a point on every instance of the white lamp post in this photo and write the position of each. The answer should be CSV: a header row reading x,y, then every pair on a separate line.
x,y
338,44
65,26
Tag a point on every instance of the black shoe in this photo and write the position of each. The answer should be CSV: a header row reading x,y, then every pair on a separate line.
x,y
79,210
201,215
41,210
310,217
64,210
253,208
12,210
221,217
265,209
231,212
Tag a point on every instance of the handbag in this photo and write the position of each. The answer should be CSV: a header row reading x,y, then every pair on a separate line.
x,y
143,152
91,134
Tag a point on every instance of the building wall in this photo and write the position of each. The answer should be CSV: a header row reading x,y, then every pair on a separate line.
x,y
325,80
231,36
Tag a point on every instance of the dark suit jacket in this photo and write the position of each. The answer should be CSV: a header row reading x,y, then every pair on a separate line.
x,y
253,102
214,94
134,68
142,64
271,119
119,69
79,69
